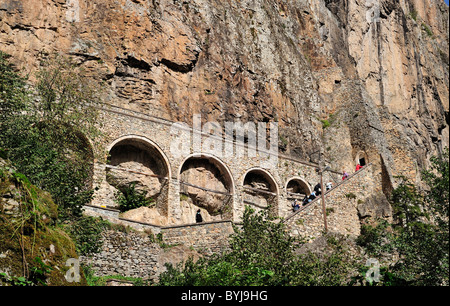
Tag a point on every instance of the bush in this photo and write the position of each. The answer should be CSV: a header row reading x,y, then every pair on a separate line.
x,y
325,123
262,253
427,29
86,232
131,198
101,281
350,195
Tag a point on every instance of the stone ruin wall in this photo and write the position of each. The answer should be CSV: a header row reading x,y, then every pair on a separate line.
x,y
137,253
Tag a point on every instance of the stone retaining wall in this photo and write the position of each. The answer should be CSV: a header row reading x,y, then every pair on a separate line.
x,y
207,238
131,254
112,215
138,252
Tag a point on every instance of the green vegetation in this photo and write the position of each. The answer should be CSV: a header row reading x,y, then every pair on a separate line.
x,y
328,122
254,33
184,197
263,254
329,210
427,29
413,15
350,195
325,123
443,56
36,245
130,198
15,281
419,234
93,280
44,131
86,232
284,141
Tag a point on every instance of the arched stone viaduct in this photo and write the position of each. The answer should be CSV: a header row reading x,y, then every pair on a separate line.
x,y
162,158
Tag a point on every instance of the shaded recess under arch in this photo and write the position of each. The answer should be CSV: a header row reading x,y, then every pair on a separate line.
x,y
297,188
206,184
260,190
361,158
137,161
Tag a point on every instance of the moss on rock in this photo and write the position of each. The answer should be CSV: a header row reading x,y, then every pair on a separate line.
x,y
32,246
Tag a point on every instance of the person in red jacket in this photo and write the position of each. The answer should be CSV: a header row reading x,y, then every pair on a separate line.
x,y
358,166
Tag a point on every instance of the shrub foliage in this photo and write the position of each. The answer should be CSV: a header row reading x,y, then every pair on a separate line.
x,y
44,129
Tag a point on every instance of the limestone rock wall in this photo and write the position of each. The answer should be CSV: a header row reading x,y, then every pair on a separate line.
x,y
383,80
366,67
350,78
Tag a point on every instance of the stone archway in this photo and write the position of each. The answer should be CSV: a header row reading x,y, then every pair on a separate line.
x,y
137,161
361,158
206,183
297,188
260,190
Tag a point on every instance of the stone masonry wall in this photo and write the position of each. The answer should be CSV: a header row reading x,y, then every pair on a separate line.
x,y
120,124
136,252
132,254
208,238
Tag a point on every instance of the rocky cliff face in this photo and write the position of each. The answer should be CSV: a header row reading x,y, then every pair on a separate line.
x,y
390,101
359,79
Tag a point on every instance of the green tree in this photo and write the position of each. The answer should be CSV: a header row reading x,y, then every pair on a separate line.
x,y
86,232
437,179
419,234
14,100
12,89
436,247
45,127
262,253
263,243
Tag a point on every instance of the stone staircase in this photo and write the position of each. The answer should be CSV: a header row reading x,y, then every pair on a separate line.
x,y
342,199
